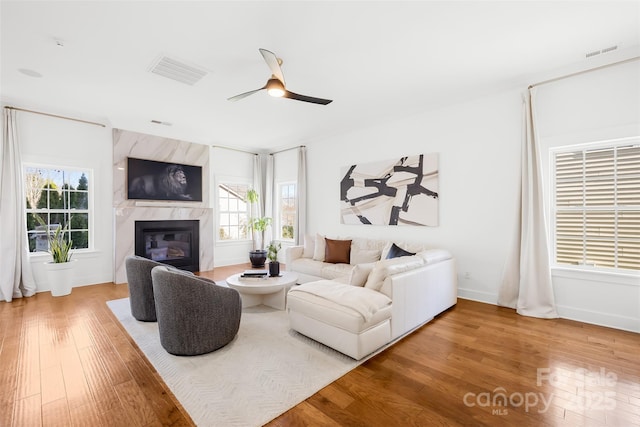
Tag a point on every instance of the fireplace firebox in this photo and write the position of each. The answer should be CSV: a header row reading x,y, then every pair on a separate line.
x,y
173,242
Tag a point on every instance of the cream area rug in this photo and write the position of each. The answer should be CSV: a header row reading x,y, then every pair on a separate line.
x,y
266,370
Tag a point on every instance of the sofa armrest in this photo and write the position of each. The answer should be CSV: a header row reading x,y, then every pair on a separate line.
x,y
421,294
292,253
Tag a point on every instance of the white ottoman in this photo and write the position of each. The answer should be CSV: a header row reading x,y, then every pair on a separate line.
x,y
355,321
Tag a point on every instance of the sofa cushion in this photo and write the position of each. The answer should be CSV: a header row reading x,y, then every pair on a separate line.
x,y
387,267
306,266
360,273
337,251
395,252
309,246
342,298
319,248
333,271
333,314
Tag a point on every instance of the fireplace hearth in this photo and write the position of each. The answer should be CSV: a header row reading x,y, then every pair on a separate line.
x,y
172,242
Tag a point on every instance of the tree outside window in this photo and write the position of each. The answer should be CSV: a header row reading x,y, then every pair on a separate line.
x,y
59,197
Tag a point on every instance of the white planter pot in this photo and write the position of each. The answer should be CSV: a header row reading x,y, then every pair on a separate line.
x,y
59,276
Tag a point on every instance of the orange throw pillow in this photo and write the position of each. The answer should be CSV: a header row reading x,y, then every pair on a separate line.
x,y
337,251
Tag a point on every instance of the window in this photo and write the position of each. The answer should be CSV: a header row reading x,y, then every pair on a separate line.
x,y
596,209
287,211
57,198
232,206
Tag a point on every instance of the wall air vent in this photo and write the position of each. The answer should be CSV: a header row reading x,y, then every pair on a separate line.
x,y
177,70
159,122
601,51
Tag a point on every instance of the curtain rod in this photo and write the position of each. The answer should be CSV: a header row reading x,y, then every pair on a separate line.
x,y
635,58
287,149
234,149
55,115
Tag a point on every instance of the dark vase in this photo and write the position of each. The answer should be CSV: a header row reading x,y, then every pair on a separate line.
x,y
258,258
274,268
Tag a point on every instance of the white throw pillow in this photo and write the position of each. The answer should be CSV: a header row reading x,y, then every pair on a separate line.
x,y
386,267
309,246
363,256
319,247
385,250
360,273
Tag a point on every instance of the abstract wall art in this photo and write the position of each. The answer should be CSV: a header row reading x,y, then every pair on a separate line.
x,y
400,191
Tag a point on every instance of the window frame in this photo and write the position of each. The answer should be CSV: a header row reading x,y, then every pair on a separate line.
x,y
66,212
280,222
579,270
229,181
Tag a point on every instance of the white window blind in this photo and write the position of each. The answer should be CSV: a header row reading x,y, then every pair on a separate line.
x,y
597,207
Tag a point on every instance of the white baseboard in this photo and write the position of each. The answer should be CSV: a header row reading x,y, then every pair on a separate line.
x,y
608,320
472,295
598,318
230,261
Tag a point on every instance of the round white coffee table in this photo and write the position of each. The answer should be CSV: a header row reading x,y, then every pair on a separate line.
x,y
270,291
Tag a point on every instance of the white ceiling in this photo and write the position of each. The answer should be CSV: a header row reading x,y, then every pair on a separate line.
x,y
378,60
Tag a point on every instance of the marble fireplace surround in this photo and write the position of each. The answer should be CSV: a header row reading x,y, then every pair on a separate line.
x,y
126,212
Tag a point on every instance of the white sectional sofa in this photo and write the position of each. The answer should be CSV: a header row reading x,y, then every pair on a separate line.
x,y
362,304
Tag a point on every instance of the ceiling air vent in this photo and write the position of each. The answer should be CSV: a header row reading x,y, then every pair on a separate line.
x,y
177,70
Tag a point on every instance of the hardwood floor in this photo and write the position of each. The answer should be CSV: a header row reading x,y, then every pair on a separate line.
x,y
67,361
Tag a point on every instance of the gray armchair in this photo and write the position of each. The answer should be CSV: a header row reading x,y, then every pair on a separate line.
x,y
143,306
195,316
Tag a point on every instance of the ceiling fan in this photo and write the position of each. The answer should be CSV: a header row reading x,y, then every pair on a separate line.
x,y
275,85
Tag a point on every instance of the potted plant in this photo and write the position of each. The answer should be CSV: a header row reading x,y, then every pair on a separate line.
x,y
272,254
258,227
258,256
60,268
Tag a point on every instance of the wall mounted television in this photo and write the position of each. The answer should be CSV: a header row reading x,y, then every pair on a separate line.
x,y
152,180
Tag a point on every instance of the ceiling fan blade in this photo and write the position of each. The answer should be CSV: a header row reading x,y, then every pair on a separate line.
x,y
274,65
244,95
297,97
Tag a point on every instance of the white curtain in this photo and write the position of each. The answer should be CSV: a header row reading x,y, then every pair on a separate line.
x,y
257,184
16,279
269,192
301,199
526,283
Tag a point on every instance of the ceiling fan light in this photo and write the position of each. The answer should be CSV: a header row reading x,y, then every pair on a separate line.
x,y
275,88
276,92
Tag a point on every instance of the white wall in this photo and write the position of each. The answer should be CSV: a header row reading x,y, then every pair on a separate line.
x,y
479,147
55,142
